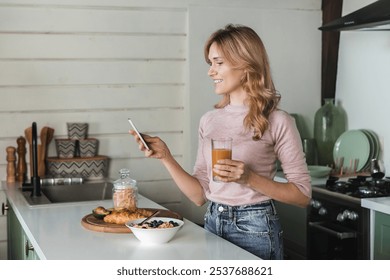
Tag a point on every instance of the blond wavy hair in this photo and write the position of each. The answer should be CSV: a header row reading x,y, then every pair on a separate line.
x,y
243,48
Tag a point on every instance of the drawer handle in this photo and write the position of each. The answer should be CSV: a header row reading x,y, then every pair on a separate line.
x,y
339,235
28,248
4,208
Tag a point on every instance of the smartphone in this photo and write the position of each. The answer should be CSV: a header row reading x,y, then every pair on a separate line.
x,y
139,135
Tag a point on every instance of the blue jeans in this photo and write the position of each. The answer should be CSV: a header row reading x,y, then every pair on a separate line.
x,y
255,228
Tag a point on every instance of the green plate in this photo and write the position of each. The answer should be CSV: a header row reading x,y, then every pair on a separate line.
x,y
351,145
374,144
372,147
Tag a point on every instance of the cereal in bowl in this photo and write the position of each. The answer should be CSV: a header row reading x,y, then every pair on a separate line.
x,y
157,224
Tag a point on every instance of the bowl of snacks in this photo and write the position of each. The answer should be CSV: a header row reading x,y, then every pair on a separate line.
x,y
156,230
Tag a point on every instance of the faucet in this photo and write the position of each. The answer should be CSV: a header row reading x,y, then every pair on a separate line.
x,y
35,182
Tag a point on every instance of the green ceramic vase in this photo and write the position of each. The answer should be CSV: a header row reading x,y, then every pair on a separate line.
x,y
330,122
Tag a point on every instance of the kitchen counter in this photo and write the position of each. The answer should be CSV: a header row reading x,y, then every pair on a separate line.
x,y
279,177
380,204
56,233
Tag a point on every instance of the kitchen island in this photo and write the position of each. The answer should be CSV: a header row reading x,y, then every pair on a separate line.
x,y
55,232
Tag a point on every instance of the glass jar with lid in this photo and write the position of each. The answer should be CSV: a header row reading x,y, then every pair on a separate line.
x,y
125,191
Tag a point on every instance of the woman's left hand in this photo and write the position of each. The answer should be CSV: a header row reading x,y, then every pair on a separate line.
x,y
232,171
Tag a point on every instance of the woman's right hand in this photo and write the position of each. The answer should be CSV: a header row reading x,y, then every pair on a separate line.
x,y
188,184
158,148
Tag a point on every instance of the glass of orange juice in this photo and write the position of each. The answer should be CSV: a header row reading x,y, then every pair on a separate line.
x,y
221,149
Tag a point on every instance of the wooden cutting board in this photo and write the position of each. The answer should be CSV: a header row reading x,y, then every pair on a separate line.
x,y
92,223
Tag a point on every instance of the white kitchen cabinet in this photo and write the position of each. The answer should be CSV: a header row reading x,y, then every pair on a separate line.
x,y
3,227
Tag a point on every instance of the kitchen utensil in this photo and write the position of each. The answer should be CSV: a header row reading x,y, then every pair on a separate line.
x,y
11,169
352,144
49,137
372,148
42,152
28,135
377,169
375,146
338,166
148,218
21,172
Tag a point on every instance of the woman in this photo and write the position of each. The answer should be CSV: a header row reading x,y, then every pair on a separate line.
x,y
241,207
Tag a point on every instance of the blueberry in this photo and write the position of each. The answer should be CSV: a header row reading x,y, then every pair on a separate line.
x,y
173,223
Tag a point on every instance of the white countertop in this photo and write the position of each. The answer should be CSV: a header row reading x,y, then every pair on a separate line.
x,y
56,233
381,204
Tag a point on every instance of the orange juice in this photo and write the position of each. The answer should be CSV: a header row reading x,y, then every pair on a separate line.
x,y
218,154
220,149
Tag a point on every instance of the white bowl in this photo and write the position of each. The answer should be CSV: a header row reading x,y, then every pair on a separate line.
x,y
319,171
154,235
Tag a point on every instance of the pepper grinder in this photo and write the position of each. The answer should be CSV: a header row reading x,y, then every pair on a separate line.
x,y
11,158
21,172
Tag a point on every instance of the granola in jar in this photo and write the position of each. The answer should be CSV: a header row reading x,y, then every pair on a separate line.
x,y
125,192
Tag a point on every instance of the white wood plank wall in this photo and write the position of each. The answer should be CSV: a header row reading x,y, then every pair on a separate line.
x,y
98,62
101,61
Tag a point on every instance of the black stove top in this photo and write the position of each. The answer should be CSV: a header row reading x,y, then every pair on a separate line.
x,y
360,186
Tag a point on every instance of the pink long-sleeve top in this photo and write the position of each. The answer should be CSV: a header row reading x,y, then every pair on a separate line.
x,y
280,141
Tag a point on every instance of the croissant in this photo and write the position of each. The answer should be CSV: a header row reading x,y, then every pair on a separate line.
x,y
124,215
